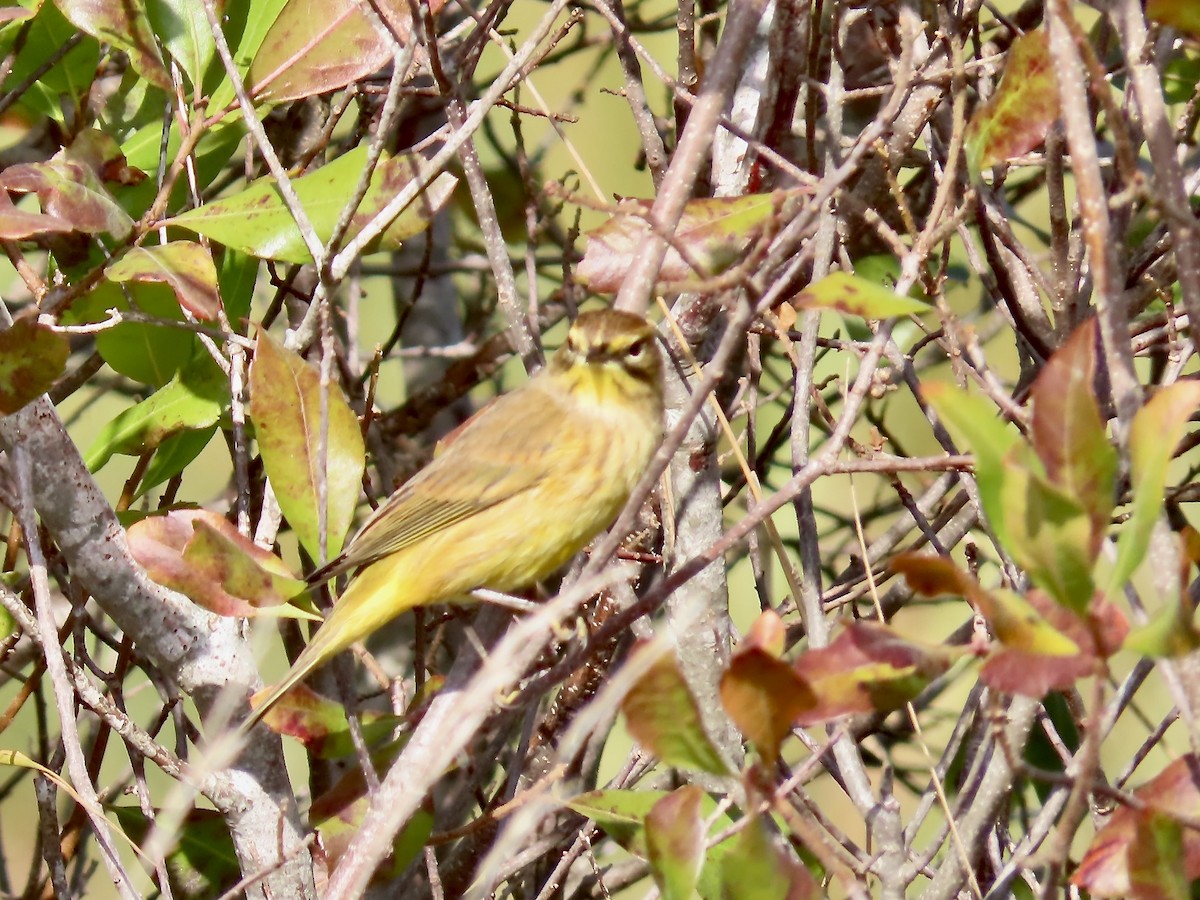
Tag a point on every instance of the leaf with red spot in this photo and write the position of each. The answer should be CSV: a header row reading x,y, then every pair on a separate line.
x,y
858,297
321,724
31,358
1017,117
307,52
1040,645
72,191
123,25
18,224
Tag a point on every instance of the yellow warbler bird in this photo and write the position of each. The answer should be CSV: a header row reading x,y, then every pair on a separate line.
x,y
523,487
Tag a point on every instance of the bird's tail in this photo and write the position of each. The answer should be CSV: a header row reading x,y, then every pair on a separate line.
x,y
309,659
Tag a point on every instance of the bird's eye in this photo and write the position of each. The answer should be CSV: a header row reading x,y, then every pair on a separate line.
x,y
636,349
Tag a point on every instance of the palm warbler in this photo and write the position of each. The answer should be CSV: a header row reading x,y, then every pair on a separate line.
x,y
524,486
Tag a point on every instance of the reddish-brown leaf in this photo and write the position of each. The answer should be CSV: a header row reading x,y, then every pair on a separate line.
x,y
1025,105
867,668
1126,859
201,555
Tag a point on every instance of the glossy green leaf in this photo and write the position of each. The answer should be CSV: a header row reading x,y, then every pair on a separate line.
x,y
193,400
173,456
183,28
257,222
285,404
31,358
148,354
675,842
1157,429
661,714
854,295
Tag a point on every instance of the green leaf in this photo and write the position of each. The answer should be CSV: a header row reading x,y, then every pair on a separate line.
x,y
622,814
1016,118
1181,14
974,425
149,354
285,404
237,275
69,78
173,456
1157,429
31,358
322,725
850,294
752,867
201,861
661,714
250,21
193,400
1049,534
183,28
1170,633
257,222
675,842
